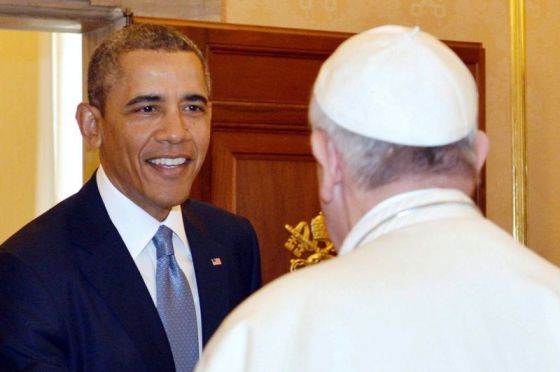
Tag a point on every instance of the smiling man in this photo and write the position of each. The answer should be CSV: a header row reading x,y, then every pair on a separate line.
x,y
129,274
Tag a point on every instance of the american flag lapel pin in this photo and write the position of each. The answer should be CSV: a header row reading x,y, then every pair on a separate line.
x,y
216,261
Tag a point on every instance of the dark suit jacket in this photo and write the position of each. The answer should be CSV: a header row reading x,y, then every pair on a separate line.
x,y
72,298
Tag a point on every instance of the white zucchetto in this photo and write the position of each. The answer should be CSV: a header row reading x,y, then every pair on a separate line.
x,y
398,85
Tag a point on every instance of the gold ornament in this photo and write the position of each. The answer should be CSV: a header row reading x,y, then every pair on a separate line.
x,y
309,245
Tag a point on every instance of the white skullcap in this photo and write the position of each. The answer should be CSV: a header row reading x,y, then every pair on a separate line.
x,y
398,85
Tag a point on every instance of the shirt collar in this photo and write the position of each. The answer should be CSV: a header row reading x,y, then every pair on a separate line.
x,y
380,219
135,226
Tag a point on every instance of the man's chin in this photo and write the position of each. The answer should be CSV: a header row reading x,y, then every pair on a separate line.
x,y
170,201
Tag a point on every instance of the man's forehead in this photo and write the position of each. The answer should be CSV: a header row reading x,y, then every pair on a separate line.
x,y
152,73
160,53
157,60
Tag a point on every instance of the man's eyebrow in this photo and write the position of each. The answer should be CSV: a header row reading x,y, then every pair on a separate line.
x,y
195,97
146,98
156,98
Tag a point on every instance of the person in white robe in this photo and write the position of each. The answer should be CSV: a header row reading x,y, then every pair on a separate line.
x,y
423,281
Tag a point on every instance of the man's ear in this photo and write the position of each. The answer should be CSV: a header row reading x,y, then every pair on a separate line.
x,y
481,147
328,158
89,120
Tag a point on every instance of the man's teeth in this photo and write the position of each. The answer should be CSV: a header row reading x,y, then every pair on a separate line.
x,y
168,161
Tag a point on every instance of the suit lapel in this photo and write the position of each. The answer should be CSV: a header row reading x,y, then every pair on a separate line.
x,y
211,270
106,263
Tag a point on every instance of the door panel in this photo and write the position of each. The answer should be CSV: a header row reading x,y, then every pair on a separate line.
x,y
270,179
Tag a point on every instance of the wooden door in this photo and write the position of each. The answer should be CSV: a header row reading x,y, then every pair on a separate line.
x,y
259,163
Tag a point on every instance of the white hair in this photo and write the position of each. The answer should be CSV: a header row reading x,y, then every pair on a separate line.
x,y
373,163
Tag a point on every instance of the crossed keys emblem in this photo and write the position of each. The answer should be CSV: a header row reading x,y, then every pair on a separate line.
x,y
309,244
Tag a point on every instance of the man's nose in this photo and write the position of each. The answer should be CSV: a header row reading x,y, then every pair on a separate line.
x,y
174,127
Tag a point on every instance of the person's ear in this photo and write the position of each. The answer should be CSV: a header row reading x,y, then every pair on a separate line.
x,y
481,147
89,120
329,161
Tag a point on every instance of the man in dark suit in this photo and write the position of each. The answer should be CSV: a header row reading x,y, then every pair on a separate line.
x,y
80,286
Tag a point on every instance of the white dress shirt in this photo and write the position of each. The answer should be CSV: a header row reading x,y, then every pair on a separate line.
x,y
137,228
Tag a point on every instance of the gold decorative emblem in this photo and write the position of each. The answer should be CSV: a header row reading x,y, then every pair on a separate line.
x,y
309,245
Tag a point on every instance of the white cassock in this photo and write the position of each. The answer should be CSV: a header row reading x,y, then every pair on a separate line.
x,y
423,283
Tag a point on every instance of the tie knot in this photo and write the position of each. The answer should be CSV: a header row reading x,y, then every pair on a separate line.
x,y
163,241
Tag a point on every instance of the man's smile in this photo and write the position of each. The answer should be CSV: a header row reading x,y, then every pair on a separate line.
x,y
168,162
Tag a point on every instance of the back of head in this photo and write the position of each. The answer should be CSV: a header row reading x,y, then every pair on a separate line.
x,y
104,65
397,101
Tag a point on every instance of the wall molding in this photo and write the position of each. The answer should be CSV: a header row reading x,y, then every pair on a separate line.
x,y
519,122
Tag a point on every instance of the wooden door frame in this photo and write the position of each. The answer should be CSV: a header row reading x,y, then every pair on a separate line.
x,y
93,23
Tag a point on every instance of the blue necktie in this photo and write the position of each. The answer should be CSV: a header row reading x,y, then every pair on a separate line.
x,y
175,303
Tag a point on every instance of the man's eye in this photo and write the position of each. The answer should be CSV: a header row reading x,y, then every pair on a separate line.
x,y
195,108
147,109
